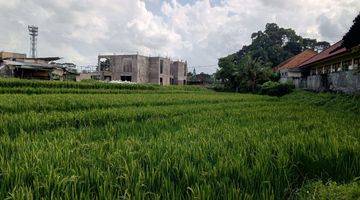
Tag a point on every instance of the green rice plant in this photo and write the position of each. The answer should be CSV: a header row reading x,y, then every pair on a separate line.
x,y
176,143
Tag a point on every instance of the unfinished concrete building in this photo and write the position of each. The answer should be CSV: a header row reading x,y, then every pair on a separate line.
x,y
142,69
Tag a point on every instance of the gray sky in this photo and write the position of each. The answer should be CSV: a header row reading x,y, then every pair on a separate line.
x,y
197,31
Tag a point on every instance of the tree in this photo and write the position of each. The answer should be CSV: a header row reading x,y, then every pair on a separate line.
x,y
255,72
244,75
352,38
276,44
268,49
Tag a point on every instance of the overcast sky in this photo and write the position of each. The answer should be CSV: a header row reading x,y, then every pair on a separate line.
x,y
197,31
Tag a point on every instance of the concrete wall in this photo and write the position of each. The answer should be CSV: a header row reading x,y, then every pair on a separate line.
x,y
313,83
117,67
4,55
179,72
154,72
166,75
290,76
144,69
86,76
346,81
343,81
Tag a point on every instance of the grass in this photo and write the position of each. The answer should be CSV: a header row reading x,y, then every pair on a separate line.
x,y
79,142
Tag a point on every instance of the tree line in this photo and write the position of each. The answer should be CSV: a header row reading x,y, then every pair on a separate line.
x,y
251,66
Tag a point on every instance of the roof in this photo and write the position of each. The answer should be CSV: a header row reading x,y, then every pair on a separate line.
x,y
297,60
48,59
6,55
330,52
29,65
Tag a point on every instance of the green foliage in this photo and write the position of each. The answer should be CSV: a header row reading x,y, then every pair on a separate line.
x,y
245,75
276,88
331,190
176,143
352,39
72,85
275,76
276,44
270,48
219,87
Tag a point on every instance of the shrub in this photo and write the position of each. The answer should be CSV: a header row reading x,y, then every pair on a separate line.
x,y
276,88
218,87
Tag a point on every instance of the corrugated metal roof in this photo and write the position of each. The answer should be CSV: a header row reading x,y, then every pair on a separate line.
x,y
30,65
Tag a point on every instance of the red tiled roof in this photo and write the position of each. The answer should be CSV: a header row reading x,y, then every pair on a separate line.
x,y
333,50
297,60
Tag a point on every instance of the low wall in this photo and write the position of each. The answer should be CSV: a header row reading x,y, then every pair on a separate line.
x,y
345,81
314,83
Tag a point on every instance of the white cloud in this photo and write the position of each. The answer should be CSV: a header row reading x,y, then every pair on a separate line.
x,y
200,32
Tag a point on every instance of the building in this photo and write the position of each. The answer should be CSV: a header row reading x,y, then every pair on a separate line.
x,y
334,69
142,69
178,73
19,66
87,76
201,79
10,55
289,71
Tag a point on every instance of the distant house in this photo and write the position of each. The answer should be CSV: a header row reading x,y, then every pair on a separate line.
x,y
88,76
335,69
19,66
200,79
289,70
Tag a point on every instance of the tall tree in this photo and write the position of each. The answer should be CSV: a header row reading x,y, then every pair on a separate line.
x,y
352,38
255,72
244,75
269,48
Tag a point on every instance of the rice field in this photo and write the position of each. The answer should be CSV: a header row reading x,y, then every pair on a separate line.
x,y
100,141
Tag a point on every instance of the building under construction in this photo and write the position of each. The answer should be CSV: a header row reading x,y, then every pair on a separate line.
x,y
142,69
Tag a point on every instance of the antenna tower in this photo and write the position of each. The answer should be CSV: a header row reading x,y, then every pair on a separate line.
x,y
34,32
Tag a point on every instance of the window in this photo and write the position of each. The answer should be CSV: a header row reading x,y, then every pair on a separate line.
x,y
327,69
161,66
346,65
161,81
332,69
312,72
185,67
337,67
356,63
127,65
126,78
104,64
172,81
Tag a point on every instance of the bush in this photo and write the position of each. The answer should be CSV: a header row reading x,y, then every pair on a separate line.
x,y
218,87
276,89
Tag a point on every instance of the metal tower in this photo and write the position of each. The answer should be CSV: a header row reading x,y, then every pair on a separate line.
x,y
34,32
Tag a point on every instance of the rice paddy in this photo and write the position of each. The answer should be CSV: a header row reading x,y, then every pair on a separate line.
x,y
101,141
